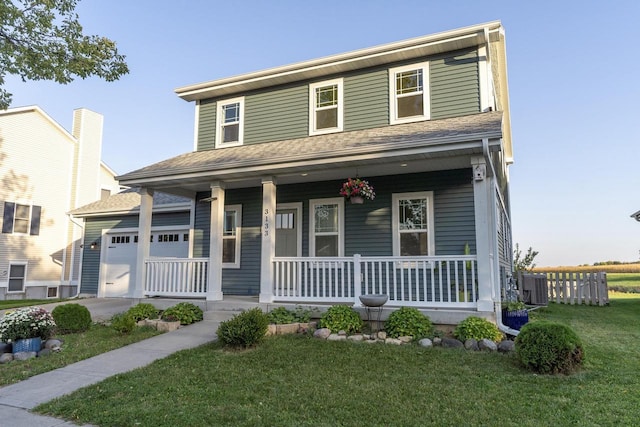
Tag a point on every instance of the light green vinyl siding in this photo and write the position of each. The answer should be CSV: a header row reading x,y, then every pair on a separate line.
x,y
93,233
277,115
455,87
207,126
283,112
366,100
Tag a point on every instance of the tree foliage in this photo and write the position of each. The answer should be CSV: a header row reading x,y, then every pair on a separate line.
x,y
524,262
43,40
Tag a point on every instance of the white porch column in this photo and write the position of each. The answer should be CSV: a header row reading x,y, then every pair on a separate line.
x,y
268,250
144,240
485,228
214,284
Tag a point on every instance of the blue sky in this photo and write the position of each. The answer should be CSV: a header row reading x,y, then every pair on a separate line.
x,y
574,75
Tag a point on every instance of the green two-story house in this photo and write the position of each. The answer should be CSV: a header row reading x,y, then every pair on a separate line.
x,y
425,122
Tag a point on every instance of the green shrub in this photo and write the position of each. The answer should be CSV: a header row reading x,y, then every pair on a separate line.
x,y
408,321
123,323
477,328
245,329
341,318
143,311
549,348
186,312
281,316
71,318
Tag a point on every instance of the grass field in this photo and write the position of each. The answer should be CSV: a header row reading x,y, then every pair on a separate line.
x,y
300,381
613,268
6,304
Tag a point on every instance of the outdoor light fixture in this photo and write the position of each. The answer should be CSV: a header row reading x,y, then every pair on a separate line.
x,y
94,246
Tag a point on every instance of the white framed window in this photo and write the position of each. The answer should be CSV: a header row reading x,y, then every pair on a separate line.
x,y
409,93
17,276
230,122
231,236
21,218
325,107
326,227
412,221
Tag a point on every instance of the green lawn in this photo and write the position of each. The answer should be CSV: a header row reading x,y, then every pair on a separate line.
x,y
6,304
98,339
624,282
298,381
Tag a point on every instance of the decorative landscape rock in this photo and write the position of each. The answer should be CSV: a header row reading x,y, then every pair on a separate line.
x,y
44,352
394,341
6,358
471,344
451,343
337,337
437,341
53,344
24,355
356,337
486,344
382,335
425,342
506,346
406,340
322,333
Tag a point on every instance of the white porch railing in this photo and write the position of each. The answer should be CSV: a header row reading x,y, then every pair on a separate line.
x,y
436,281
176,277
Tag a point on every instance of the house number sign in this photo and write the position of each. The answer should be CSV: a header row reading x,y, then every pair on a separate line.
x,y
265,225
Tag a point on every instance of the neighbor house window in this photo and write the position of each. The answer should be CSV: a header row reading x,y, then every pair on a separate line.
x,y
325,109
231,236
412,219
409,93
21,218
326,227
17,276
230,122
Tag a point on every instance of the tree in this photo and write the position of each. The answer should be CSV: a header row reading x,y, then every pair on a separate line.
x,y
523,263
43,40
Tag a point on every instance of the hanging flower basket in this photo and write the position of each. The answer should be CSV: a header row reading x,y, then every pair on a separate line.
x,y
356,190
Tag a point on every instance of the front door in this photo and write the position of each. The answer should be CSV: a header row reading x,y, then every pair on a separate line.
x,y
287,233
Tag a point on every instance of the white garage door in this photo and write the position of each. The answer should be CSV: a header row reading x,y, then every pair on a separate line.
x,y
120,257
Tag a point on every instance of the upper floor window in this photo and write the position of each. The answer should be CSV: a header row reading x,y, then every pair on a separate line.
x,y
325,109
21,218
412,219
231,236
230,122
327,227
409,93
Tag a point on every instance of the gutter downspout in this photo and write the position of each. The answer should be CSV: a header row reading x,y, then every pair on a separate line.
x,y
71,218
496,304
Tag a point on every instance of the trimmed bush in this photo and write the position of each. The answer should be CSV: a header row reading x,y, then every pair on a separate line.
x,y
477,328
246,329
549,348
281,316
408,321
71,318
341,318
123,323
143,311
186,312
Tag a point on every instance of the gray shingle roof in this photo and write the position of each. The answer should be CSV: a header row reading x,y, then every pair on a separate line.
x,y
335,145
125,202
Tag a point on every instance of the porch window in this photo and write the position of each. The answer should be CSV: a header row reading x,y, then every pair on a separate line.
x,y
325,107
412,218
409,93
231,236
230,122
21,218
17,276
326,227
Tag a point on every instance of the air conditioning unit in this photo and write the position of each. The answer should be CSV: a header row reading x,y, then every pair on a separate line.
x,y
534,289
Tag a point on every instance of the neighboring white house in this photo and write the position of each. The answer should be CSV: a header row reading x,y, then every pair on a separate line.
x,y
46,171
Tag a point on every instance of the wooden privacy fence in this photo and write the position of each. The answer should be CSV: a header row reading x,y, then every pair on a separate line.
x,y
566,288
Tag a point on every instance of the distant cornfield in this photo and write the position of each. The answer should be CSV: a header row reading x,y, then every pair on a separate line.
x,y
613,268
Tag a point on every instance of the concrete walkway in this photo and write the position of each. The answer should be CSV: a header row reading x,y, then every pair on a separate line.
x,y
17,399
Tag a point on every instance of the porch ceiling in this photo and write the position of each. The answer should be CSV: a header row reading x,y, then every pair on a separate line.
x,y
407,148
